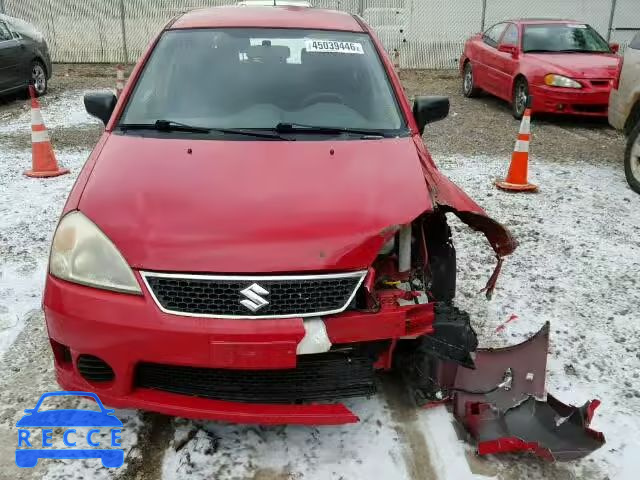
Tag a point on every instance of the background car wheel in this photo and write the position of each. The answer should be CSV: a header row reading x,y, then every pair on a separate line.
x,y
520,95
468,88
39,78
632,159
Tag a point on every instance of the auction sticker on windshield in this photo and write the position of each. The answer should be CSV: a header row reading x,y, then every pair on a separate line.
x,y
333,46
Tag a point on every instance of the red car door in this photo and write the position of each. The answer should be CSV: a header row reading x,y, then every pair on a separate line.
x,y
506,58
485,61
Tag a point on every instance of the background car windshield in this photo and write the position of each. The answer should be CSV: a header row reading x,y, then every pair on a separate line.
x,y
563,37
257,78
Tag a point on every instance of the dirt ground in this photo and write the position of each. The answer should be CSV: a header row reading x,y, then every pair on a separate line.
x,y
470,128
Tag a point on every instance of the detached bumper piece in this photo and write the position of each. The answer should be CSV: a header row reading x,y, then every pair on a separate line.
x,y
513,418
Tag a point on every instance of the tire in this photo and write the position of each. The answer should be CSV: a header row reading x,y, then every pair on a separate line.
x,y
469,90
632,159
519,99
38,78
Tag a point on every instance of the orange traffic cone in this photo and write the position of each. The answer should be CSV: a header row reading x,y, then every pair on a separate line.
x,y
42,157
516,180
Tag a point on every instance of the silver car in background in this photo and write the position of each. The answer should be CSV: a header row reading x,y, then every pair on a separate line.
x,y
624,110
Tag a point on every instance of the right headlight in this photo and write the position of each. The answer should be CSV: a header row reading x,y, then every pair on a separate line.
x,y
554,80
82,254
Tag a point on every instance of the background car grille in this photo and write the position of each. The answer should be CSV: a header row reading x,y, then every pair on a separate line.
x,y
324,376
221,296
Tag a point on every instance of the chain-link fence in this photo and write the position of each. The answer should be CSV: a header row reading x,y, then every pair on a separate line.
x,y
426,33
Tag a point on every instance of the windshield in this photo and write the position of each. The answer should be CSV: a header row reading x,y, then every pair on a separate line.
x,y
563,38
249,78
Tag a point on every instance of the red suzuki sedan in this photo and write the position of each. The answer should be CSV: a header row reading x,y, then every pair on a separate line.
x,y
567,67
260,229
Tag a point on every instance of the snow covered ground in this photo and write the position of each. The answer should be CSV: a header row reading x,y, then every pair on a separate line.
x,y
577,265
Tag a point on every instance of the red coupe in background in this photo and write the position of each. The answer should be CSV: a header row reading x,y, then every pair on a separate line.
x,y
566,66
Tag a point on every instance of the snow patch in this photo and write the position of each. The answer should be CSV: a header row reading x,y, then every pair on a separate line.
x,y
27,220
576,266
369,449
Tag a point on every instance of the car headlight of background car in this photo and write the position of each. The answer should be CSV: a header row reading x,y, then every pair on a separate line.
x,y
554,80
81,253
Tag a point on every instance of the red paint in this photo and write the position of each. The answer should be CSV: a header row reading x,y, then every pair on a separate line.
x,y
255,207
290,202
513,445
282,17
495,72
509,320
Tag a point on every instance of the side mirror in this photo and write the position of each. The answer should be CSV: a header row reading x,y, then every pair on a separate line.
x,y
615,47
510,49
429,109
100,105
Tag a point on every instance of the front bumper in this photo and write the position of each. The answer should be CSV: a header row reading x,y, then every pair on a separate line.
x,y
127,330
587,101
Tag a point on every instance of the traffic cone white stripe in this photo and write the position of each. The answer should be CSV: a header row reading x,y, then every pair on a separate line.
x,y
36,117
525,126
522,146
37,137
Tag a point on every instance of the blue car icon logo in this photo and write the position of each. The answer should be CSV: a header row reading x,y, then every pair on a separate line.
x,y
29,440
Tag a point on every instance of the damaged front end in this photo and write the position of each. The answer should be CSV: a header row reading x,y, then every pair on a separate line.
x,y
497,394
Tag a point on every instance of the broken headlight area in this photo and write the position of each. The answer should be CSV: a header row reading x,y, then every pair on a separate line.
x,y
498,395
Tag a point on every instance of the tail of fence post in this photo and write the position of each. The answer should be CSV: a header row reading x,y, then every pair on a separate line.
x,y
484,15
2,6
613,13
125,53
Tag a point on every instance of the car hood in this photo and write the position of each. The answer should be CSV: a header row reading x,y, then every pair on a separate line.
x,y
253,206
579,65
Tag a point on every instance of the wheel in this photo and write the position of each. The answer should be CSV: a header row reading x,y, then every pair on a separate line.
x,y
520,96
468,88
632,159
38,78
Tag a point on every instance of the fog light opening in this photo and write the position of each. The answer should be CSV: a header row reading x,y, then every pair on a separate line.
x,y
61,353
94,369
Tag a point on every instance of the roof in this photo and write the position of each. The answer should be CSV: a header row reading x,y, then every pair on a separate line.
x,y
542,21
268,17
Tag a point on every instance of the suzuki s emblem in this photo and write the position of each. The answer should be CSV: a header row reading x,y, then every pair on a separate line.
x,y
254,301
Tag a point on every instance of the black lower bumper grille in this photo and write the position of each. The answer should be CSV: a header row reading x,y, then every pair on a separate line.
x,y
325,376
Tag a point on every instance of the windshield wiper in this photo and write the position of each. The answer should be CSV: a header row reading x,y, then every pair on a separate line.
x,y
566,50
301,128
172,126
582,50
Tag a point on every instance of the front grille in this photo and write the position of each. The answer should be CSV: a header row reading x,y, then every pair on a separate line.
x,y
94,369
323,376
590,108
229,297
600,83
